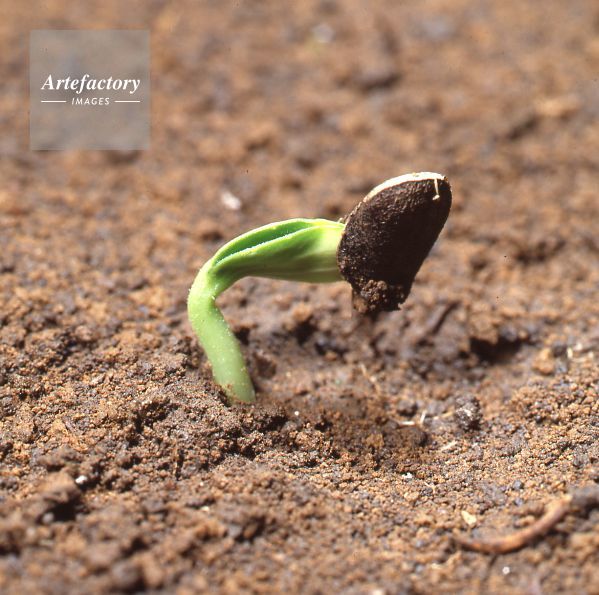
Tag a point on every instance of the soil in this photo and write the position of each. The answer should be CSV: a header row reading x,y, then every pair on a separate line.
x,y
374,443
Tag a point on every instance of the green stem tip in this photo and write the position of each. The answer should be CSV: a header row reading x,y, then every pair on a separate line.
x,y
293,250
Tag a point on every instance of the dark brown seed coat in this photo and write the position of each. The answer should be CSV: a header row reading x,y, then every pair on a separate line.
x,y
387,237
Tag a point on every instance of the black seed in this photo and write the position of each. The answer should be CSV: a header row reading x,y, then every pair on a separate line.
x,y
387,237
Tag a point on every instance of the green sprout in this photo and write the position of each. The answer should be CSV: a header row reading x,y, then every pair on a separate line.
x,y
294,250
378,250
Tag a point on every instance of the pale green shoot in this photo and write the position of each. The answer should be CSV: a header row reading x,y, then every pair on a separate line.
x,y
294,250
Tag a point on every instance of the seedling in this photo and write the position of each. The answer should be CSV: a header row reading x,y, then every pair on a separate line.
x,y
378,250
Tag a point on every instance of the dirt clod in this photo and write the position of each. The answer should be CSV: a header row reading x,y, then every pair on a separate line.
x,y
468,414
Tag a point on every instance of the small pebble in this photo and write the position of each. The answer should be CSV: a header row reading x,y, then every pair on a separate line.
x,y
469,518
468,414
230,201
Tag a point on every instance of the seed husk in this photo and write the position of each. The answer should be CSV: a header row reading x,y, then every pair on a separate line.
x,y
388,235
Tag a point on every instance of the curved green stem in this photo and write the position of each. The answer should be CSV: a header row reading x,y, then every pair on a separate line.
x,y
217,339
295,250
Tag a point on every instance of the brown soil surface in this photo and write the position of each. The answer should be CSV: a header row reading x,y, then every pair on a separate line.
x,y
373,442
